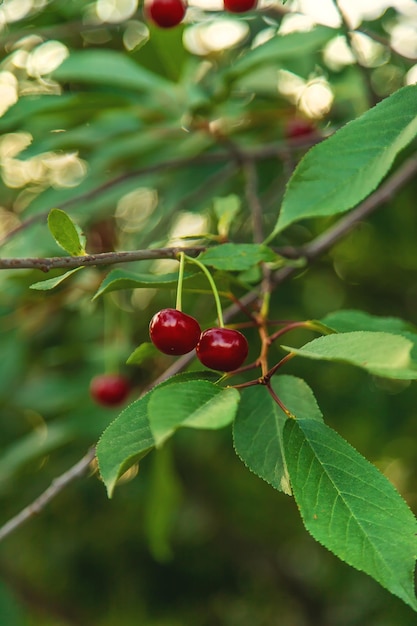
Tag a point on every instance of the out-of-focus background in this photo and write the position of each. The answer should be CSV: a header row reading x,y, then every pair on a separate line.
x,y
112,119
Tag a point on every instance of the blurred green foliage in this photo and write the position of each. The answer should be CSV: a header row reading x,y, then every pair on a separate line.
x,y
136,142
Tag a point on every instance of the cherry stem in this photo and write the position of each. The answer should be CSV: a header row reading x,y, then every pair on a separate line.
x,y
276,367
178,304
212,285
279,402
286,329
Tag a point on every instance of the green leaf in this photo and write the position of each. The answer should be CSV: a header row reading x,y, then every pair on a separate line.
x,y
350,507
129,438
124,279
382,354
347,320
162,499
226,210
51,283
142,353
108,67
124,442
195,404
259,424
280,48
66,233
237,256
336,174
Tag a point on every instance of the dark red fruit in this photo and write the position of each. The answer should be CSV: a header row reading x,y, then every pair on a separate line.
x,y
109,389
239,6
166,13
174,332
222,349
298,127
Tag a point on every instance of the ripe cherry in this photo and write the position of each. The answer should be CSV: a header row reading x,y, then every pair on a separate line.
x,y
239,6
166,13
298,127
222,349
109,389
174,332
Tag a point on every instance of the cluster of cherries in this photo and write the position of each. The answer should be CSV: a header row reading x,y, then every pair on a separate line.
x,y
169,13
174,332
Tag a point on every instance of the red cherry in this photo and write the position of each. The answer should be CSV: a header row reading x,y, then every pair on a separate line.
x,y
239,6
166,13
109,389
298,127
222,349
174,332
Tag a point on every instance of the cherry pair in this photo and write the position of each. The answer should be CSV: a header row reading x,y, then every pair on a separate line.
x,y
174,332
168,13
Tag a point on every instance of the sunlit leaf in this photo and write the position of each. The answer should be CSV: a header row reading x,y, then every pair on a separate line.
x,y
336,174
379,353
66,233
195,404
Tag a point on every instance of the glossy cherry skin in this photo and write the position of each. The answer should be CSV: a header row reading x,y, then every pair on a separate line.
x,y
109,389
166,13
174,332
239,6
222,349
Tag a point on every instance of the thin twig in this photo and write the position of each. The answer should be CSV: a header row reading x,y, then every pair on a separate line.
x,y
207,158
381,196
311,252
104,258
252,198
324,242
57,485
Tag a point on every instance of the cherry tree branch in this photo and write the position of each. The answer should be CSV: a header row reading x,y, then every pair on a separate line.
x,y
207,158
310,252
104,258
57,485
406,172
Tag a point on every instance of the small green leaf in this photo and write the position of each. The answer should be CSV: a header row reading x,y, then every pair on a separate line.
x,y
124,442
259,424
51,283
124,279
226,210
379,353
66,233
344,321
336,174
280,48
109,67
237,256
129,438
194,404
142,353
350,507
